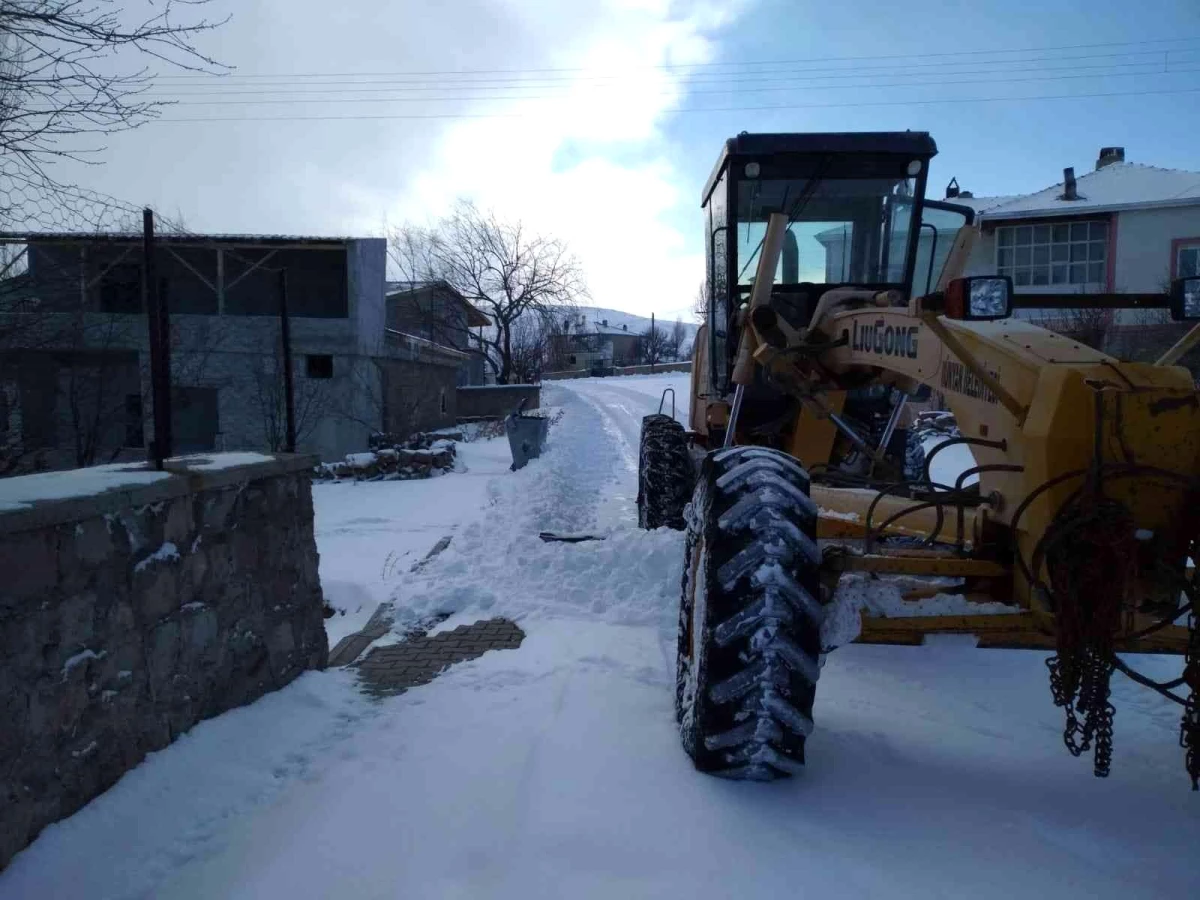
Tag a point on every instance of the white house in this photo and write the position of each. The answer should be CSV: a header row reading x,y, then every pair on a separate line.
x,y
1122,228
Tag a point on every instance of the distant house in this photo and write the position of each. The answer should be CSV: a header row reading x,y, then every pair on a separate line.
x,y
588,343
1121,228
1124,227
435,311
75,348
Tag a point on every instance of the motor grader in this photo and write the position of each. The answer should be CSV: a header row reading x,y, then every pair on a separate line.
x,y
836,304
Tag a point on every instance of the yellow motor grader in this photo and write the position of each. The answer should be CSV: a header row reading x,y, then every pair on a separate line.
x,y
835,305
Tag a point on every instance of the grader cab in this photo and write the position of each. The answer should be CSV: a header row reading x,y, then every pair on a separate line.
x,y
835,307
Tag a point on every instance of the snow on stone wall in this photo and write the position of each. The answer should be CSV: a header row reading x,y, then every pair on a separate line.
x,y
129,615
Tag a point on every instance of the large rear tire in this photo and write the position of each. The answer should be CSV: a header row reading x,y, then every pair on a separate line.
x,y
665,473
750,617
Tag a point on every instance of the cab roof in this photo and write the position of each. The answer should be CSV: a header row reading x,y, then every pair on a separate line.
x,y
908,144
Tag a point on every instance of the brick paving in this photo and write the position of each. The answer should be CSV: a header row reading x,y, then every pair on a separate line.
x,y
394,669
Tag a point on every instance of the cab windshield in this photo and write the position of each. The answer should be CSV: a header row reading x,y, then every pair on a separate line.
x,y
842,230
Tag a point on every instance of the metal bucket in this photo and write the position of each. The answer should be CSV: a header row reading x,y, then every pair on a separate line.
x,y
526,436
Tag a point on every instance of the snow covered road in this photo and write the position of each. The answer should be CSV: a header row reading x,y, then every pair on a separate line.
x,y
556,771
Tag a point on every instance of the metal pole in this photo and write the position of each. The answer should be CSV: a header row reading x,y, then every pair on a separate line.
x,y
160,381
653,343
738,393
893,421
285,334
164,336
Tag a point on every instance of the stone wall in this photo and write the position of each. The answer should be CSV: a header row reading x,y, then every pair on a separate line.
x,y
420,396
133,611
496,400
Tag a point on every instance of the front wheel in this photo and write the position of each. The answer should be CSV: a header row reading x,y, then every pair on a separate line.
x,y
750,620
665,473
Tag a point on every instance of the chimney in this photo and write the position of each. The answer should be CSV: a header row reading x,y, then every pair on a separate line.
x,y
1069,191
604,322
952,189
1108,156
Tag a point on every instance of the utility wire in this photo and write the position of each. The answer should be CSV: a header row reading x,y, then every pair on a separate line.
x,y
730,90
687,110
677,67
343,87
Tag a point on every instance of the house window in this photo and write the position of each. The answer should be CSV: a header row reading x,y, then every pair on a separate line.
x,y
1187,259
1061,253
121,289
318,365
135,435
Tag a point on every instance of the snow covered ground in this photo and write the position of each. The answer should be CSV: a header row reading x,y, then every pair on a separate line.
x,y
370,534
556,771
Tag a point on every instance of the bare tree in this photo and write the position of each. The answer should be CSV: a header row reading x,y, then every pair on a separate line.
x,y
73,69
1088,326
530,347
498,266
675,340
700,304
653,345
311,402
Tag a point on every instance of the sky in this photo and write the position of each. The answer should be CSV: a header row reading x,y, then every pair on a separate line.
x,y
597,122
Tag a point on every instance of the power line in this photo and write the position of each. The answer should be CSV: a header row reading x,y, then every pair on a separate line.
x,y
686,110
676,67
386,87
730,90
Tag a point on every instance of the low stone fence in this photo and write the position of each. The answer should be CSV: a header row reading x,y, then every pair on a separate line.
x,y
621,370
134,604
494,401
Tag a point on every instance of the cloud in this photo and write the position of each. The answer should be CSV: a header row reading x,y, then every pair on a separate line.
x,y
581,149
618,199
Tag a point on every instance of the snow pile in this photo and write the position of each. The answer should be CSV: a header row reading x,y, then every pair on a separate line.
x,y
860,592
369,538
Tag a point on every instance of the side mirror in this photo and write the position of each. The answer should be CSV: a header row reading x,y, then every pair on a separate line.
x,y
979,297
1185,299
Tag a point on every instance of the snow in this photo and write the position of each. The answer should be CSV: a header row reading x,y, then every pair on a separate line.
x,y
162,554
25,490
212,462
79,659
556,769
371,533
859,593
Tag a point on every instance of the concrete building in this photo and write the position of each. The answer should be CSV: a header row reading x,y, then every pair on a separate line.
x,y
75,350
435,311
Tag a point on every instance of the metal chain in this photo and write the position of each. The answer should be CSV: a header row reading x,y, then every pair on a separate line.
x,y
1189,728
1089,598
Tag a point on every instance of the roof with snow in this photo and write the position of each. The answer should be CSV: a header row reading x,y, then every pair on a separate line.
x,y
1115,187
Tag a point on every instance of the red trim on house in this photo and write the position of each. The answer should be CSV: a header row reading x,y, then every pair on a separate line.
x,y
1176,246
1110,272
